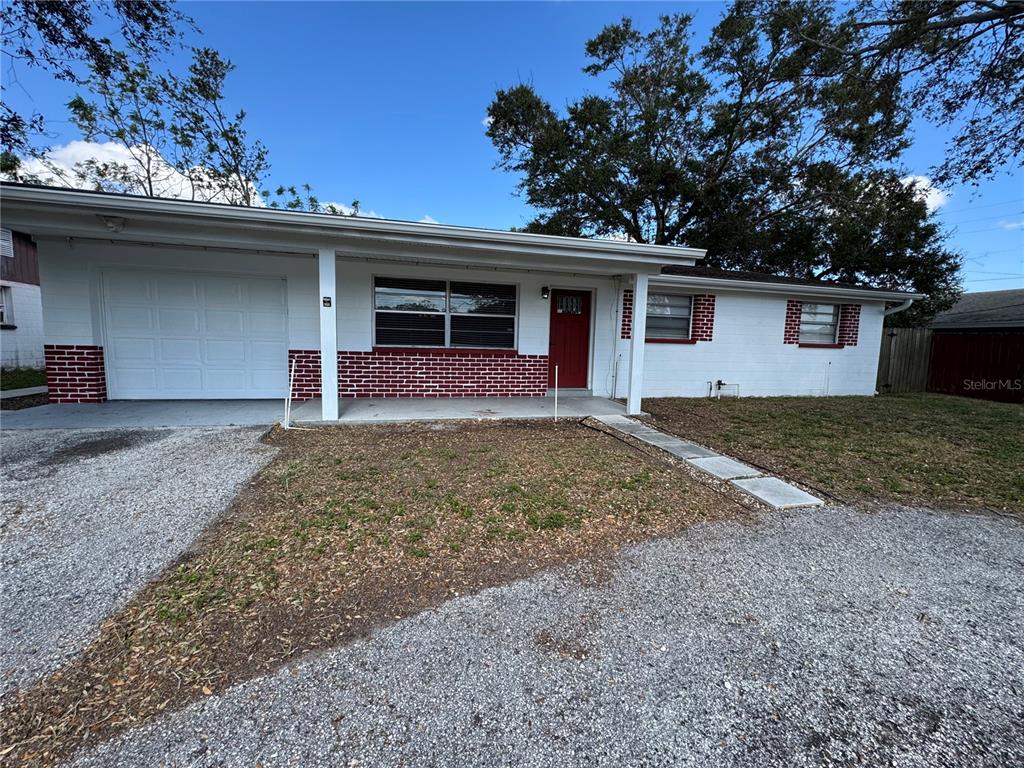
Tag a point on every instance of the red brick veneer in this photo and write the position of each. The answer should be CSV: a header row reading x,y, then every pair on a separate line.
x,y
74,373
849,324
626,331
422,372
306,384
703,320
791,333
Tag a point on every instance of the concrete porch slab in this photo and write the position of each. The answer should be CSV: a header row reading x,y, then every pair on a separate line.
x,y
391,410
777,493
724,468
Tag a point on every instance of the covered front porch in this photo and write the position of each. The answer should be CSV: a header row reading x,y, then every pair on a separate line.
x,y
129,414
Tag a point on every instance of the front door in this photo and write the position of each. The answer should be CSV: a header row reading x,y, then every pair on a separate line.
x,y
569,347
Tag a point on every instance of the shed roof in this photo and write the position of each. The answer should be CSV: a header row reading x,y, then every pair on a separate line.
x,y
985,309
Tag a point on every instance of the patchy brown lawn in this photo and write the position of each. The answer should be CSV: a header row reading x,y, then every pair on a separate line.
x,y
347,529
932,449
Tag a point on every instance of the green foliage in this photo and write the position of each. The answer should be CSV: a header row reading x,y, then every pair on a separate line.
x,y
767,147
62,38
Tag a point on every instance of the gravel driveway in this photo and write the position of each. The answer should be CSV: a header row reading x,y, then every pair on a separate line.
x,y
824,637
87,517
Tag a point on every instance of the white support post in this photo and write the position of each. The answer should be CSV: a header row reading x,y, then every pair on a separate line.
x,y
636,346
328,335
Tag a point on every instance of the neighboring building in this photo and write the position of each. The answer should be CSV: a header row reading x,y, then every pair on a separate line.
x,y
978,347
21,311
152,299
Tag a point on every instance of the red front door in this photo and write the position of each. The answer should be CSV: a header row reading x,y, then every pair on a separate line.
x,y
569,348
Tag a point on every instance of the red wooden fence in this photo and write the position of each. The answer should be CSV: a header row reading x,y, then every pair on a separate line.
x,y
983,364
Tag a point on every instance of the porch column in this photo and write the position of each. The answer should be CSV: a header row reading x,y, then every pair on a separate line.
x,y
636,346
328,335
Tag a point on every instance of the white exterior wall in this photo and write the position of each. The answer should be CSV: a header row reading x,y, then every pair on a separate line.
x,y
747,349
355,309
70,280
71,295
22,347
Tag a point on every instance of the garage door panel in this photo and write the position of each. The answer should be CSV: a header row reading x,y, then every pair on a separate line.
x,y
131,318
221,351
224,292
225,322
175,290
267,324
178,321
181,350
133,350
180,381
185,335
130,286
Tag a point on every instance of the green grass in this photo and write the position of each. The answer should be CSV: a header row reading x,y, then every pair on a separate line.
x,y
931,449
20,378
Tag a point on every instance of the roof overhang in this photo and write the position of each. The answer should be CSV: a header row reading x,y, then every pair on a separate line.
x,y
788,289
54,212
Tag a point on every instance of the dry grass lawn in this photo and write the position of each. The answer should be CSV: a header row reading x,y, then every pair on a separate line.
x,y
928,449
349,528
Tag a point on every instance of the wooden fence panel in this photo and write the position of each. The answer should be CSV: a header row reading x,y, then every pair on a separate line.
x,y
903,360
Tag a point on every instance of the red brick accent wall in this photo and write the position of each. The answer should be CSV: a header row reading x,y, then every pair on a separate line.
x,y
414,372
703,320
306,384
74,373
791,334
849,324
627,314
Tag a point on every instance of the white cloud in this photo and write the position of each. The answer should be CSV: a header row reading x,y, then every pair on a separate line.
x,y
934,198
62,165
486,122
429,220
1011,225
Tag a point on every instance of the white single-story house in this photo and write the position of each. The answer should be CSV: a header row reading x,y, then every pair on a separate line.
x,y
167,299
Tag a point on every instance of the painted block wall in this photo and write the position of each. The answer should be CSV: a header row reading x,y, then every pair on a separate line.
x,y
748,349
355,308
70,280
22,347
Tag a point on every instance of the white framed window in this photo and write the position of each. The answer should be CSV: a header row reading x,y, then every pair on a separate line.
x,y
819,323
443,313
6,243
6,305
668,317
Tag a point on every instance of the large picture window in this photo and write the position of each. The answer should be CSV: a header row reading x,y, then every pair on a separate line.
x,y
819,323
668,316
441,313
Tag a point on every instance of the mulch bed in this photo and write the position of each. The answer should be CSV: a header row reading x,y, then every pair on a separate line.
x,y
348,529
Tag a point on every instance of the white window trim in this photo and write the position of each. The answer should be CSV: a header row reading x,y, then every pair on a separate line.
x,y
689,318
836,314
7,305
446,313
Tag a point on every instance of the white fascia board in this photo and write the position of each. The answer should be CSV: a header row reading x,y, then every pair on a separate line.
x,y
327,227
789,289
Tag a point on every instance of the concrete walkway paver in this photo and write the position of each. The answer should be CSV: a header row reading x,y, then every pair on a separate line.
x,y
768,490
725,468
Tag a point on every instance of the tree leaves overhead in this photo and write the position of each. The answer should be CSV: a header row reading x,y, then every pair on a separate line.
x,y
63,39
766,146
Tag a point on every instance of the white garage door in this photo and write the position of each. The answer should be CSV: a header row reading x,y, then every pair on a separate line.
x,y
188,335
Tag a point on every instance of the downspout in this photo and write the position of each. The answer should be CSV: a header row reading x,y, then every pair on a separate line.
x,y
905,304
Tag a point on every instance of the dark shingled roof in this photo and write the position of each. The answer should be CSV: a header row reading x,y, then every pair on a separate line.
x,y
761,277
989,309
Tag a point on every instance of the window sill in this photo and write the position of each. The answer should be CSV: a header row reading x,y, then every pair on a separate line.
x,y
8,327
809,345
670,341
454,351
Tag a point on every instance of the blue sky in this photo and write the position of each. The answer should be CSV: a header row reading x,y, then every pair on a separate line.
x,y
384,102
